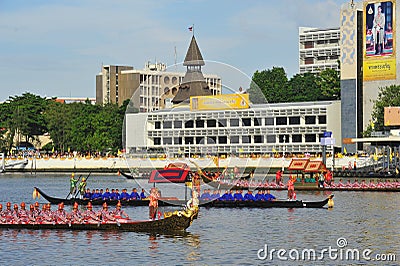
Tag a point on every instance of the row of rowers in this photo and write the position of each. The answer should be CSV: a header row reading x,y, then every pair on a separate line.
x,y
35,215
261,195
99,194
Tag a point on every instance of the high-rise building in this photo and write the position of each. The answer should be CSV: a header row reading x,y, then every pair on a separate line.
x,y
368,62
318,49
153,87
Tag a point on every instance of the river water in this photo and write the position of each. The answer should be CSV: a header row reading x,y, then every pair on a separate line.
x,y
363,222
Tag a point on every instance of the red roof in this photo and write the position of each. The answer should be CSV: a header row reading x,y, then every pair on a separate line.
x,y
298,164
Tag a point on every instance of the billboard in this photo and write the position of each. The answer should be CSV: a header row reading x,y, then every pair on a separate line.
x,y
219,102
379,60
391,116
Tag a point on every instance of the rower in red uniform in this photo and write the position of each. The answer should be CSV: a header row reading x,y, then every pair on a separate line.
x,y
31,216
118,213
8,213
371,184
46,215
89,216
105,215
2,215
60,215
75,217
23,214
14,215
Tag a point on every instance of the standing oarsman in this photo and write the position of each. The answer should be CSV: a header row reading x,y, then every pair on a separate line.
x,y
73,183
153,205
82,187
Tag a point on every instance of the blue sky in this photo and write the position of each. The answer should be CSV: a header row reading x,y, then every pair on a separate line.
x,y
56,48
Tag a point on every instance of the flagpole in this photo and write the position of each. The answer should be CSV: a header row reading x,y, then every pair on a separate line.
x,y
193,29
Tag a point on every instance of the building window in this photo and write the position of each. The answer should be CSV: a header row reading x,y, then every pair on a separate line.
x,y
189,140
271,139
246,122
245,139
269,121
167,124
257,122
211,140
199,140
281,121
308,45
200,123
222,123
167,141
322,119
222,140
258,139
284,138
189,124
178,140
310,138
296,138
309,61
177,124
212,123
294,120
157,125
234,139
234,122
157,141
310,120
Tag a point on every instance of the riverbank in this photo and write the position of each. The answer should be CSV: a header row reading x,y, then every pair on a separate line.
x,y
113,164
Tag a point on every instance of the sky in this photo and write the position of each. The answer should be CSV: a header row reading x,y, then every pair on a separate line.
x,y
56,48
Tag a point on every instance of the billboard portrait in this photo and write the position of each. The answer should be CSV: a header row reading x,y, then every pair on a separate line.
x,y
379,40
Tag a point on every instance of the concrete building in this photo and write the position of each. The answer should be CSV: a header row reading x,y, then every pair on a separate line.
x,y
153,87
366,65
282,127
318,49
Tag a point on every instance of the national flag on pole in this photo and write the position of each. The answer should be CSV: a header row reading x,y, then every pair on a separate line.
x,y
344,150
190,28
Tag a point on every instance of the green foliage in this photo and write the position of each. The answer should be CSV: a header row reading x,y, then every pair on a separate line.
x,y
274,85
388,96
76,126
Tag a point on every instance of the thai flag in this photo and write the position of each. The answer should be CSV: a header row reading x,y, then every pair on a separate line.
x,y
190,28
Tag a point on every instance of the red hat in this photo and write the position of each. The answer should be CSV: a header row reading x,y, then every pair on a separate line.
x,y
76,205
36,204
1,206
15,206
8,204
89,205
22,204
31,206
61,205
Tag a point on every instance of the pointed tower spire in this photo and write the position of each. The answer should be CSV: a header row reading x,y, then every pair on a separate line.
x,y
194,83
193,55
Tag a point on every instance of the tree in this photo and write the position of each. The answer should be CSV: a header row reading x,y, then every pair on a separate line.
x,y
273,84
329,82
303,87
387,96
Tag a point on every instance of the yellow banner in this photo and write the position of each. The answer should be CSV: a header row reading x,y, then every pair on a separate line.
x,y
219,102
379,69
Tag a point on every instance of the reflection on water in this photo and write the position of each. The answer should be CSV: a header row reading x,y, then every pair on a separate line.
x,y
218,236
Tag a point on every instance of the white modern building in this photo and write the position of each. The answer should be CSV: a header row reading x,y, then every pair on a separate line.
x,y
319,49
260,129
